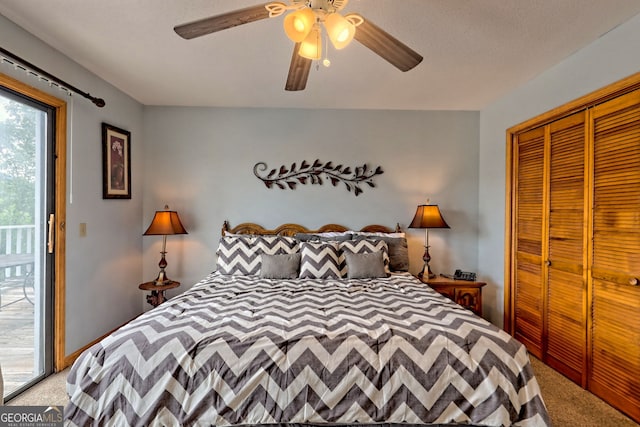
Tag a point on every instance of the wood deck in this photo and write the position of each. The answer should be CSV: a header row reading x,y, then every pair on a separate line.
x,y
16,336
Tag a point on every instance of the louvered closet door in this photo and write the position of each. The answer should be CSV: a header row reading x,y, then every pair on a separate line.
x,y
565,323
615,295
529,214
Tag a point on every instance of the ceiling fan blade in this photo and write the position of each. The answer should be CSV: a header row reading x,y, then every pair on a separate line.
x,y
231,19
388,47
298,71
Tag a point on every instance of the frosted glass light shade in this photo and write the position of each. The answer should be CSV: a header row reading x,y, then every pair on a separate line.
x,y
311,46
339,30
298,24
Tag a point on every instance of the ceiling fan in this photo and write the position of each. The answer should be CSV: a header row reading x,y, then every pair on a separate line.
x,y
303,25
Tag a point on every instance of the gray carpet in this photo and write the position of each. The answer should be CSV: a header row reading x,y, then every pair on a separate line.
x,y
568,404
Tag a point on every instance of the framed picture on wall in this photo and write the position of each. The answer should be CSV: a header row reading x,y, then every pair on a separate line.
x,y
116,162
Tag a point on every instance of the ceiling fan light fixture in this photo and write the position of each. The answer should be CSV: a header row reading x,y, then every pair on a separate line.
x,y
298,24
302,25
339,30
311,46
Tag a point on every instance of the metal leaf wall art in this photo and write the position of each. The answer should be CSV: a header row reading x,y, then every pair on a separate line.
x,y
317,173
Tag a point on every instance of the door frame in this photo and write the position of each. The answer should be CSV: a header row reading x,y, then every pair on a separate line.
x,y
60,192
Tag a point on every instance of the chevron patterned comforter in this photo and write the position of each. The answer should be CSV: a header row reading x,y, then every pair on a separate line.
x,y
240,350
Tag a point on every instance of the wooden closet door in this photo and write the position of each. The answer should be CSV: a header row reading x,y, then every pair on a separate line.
x,y
614,335
565,323
529,222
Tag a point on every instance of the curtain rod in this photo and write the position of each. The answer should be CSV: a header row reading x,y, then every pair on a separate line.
x,y
42,73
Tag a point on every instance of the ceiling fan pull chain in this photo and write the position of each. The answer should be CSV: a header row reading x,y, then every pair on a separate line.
x,y
326,62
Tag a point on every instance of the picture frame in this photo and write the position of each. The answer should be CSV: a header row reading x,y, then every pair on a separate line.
x,y
116,162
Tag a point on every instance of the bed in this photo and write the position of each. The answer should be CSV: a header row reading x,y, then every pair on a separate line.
x,y
306,327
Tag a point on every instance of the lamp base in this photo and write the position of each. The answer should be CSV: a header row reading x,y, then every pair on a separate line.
x,y
426,273
162,278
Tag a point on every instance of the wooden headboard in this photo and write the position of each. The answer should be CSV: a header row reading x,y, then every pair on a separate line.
x,y
292,229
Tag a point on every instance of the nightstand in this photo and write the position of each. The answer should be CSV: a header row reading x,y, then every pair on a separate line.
x,y
157,291
467,294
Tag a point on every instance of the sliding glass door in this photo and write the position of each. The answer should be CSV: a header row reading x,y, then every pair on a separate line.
x,y
26,260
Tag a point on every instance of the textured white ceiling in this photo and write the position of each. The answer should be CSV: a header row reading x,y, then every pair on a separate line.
x,y
474,50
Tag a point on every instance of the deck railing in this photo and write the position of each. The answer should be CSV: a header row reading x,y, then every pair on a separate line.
x,y
16,240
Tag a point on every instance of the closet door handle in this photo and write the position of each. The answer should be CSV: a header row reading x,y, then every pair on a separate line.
x,y
633,281
51,223
547,263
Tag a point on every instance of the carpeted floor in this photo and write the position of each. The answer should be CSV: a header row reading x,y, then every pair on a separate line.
x,y
568,404
49,392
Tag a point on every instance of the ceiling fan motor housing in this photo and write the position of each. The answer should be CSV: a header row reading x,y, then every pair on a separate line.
x,y
327,6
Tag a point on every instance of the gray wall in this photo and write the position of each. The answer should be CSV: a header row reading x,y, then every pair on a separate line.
x,y
199,161
610,58
104,268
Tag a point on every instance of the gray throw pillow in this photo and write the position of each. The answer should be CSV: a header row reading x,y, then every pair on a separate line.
x,y
398,251
365,266
284,266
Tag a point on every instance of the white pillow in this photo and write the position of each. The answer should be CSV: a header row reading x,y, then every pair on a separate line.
x,y
332,233
365,233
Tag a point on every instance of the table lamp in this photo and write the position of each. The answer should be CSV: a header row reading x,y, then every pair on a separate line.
x,y
427,216
164,223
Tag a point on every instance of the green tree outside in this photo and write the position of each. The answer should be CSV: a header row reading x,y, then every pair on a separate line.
x,y
17,162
